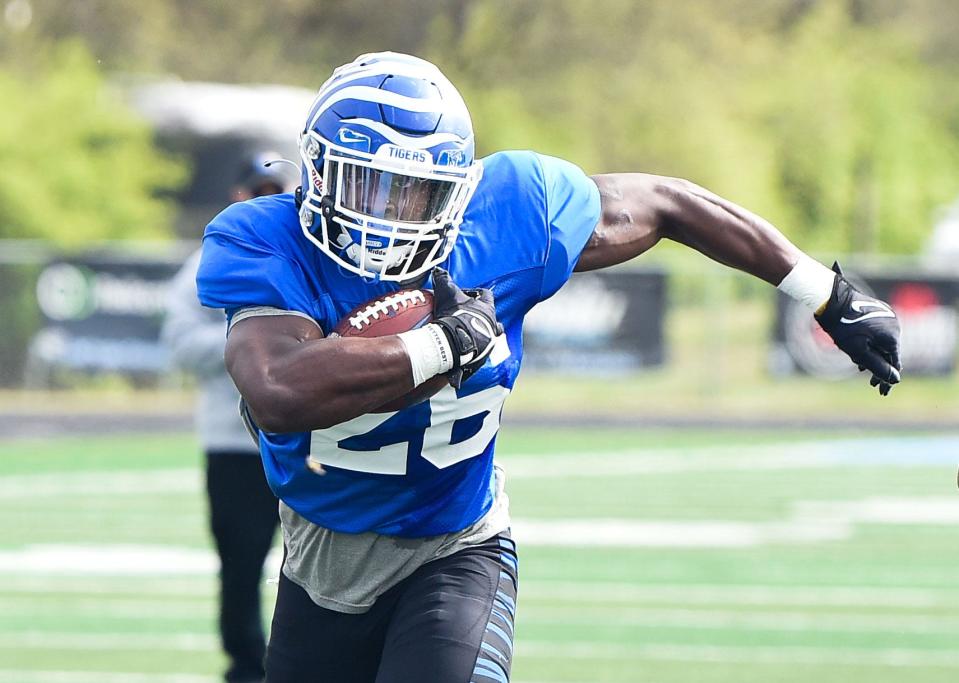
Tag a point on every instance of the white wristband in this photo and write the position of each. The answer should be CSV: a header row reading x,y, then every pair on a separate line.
x,y
429,351
809,282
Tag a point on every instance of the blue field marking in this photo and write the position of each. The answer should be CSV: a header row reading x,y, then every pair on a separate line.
x,y
889,450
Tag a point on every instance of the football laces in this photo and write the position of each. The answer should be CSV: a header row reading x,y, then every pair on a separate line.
x,y
393,302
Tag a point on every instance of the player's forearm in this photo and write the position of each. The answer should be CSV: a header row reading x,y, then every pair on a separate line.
x,y
640,209
321,383
724,231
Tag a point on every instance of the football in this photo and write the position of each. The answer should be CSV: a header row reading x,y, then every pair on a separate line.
x,y
390,314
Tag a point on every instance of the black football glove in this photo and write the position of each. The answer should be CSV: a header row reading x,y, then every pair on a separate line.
x,y
468,318
866,329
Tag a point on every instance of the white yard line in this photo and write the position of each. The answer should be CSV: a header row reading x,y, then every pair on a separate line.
x,y
115,483
117,560
124,560
898,657
590,650
30,578
739,619
713,594
158,608
887,451
583,615
810,522
67,640
637,533
108,586
25,676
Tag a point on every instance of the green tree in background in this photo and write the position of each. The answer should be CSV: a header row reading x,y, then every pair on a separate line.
x,y
832,128
864,150
78,165
836,119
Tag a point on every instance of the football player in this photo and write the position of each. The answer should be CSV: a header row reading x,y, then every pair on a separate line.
x,y
399,564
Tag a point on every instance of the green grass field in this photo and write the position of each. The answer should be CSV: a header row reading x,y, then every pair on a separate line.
x,y
655,556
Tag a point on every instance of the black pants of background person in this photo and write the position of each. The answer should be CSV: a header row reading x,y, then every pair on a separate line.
x,y
451,621
243,519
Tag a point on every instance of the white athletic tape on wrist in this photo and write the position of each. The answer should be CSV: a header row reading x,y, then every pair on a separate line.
x,y
429,351
809,282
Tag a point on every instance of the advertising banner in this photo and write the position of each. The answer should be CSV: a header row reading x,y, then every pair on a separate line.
x,y
600,322
101,314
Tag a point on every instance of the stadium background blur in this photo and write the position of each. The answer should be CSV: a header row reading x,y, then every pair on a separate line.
x,y
714,517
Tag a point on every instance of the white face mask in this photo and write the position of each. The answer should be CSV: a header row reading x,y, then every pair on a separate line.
x,y
387,166
381,218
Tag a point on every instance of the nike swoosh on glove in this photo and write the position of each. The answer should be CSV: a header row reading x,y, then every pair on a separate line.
x,y
866,329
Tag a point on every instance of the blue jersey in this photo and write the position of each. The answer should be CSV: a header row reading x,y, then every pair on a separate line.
x,y
426,469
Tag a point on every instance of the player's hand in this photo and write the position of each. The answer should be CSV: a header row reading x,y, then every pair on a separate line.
x,y
468,318
866,328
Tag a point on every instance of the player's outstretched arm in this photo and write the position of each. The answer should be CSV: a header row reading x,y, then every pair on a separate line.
x,y
293,379
638,210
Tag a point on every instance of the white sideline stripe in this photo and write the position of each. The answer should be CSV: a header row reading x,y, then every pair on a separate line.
x,y
54,640
898,657
825,454
888,451
108,560
849,596
879,510
625,533
28,568
811,522
24,676
202,642
621,614
619,463
109,587
739,620
114,482
119,560
158,608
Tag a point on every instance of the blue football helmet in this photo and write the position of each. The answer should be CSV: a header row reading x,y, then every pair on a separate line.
x,y
387,166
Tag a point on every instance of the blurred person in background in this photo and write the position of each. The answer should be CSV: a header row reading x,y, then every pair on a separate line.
x,y
243,510
399,564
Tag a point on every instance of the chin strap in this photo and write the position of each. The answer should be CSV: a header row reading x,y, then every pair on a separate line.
x,y
327,207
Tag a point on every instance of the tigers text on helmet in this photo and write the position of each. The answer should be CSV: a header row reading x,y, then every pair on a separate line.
x,y
388,166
